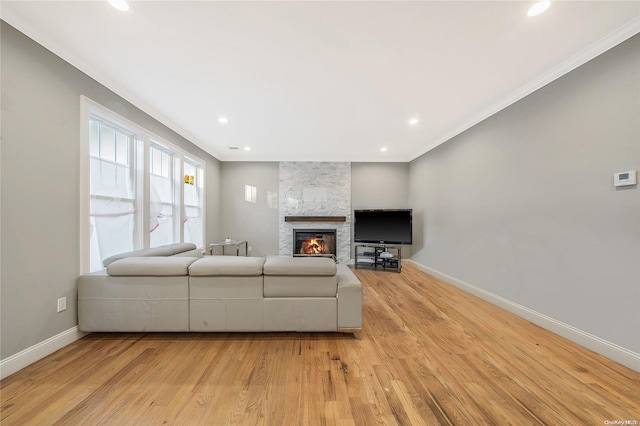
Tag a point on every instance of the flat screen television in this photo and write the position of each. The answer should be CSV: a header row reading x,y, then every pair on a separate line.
x,y
383,226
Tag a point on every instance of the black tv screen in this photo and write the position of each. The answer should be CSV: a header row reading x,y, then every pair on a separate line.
x,y
382,226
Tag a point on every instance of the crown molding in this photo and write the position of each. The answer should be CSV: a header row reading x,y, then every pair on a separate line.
x,y
109,83
606,43
622,34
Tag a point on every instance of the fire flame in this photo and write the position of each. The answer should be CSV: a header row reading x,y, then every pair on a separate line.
x,y
312,246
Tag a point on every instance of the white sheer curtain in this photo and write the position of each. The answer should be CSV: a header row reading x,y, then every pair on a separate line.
x,y
161,211
112,210
161,197
117,202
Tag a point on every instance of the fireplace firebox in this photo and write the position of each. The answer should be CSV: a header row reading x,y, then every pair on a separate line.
x,y
314,242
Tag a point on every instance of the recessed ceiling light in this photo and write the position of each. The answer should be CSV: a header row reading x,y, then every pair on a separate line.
x,y
223,120
383,149
539,7
413,121
121,5
247,148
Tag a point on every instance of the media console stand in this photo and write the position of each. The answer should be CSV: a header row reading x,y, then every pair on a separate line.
x,y
378,256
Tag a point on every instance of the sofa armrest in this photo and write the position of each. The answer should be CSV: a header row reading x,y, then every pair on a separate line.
x,y
349,299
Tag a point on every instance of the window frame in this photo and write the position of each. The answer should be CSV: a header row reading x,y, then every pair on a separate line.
x,y
142,141
200,190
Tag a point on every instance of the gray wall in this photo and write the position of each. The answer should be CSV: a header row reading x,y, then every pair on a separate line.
x,y
523,204
373,185
380,186
257,222
40,190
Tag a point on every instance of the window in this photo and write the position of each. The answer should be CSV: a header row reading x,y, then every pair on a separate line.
x,y
193,197
112,192
162,200
132,181
250,193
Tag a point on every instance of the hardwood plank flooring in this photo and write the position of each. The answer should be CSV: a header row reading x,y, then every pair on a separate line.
x,y
429,354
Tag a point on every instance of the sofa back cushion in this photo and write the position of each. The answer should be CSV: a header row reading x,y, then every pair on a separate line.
x,y
300,266
156,251
300,285
197,253
212,266
150,266
178,248
167,250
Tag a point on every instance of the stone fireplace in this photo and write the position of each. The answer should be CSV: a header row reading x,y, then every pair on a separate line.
x,y
315,194
314,242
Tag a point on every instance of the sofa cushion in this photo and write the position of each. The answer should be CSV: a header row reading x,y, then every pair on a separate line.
x,y
151,266
300,285
281,265
225,287
211,266
135,304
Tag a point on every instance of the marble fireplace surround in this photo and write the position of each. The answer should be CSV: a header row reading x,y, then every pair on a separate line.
x,y
315,195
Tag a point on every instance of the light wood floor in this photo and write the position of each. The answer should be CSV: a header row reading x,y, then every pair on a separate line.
x,y
429,354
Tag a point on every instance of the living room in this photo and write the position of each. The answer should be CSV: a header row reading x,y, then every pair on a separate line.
x,y
519,209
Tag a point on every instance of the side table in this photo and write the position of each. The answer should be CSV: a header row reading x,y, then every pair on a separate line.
x,y
234,244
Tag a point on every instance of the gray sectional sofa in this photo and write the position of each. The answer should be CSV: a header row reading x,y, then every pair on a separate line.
x,y
143,292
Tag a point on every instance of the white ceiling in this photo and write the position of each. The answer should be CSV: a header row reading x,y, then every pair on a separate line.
x,y
324,80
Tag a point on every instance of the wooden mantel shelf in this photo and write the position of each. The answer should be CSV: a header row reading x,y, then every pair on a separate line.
x,y
315,218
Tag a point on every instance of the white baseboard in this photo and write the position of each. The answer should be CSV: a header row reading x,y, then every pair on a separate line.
x,y
607,349
16,362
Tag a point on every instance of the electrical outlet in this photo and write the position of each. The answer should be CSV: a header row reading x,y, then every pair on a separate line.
x,y
62,304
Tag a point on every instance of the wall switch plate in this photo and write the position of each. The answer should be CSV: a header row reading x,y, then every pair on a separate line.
x,y
249,249
62,304
624,178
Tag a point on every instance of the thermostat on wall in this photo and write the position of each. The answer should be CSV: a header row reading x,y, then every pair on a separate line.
x,y
624,178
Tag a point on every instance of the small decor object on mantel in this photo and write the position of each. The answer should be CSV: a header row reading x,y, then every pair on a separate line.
x,y
227,240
